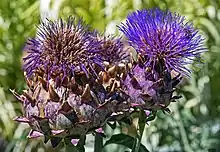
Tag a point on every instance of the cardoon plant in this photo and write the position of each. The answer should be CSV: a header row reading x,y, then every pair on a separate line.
x,y
67,94
165,43
79,79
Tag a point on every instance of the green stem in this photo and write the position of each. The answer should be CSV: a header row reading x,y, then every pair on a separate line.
x,y
141,125
80,146
98,143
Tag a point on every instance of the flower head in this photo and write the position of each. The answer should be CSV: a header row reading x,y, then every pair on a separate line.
x,y
163,37
63,99
112,49
60,49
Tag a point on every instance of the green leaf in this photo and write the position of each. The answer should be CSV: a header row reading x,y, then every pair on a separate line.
x,y
126,140
112,125
152,116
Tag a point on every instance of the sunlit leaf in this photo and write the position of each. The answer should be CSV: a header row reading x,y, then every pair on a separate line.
x,y
125,140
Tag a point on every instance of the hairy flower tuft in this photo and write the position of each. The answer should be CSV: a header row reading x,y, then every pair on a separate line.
x,y
163,37
60,49
112,50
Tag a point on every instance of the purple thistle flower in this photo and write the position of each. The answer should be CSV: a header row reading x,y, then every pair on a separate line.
x,y
64,100
60,49
111,49
163,37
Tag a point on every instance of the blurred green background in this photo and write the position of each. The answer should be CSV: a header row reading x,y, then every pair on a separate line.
x,y
194,123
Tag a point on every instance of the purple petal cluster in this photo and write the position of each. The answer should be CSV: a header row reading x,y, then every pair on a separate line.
x,y
162,36
60,49
111,49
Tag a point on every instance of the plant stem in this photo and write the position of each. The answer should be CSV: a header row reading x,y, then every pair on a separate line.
x,y
98,145
141,126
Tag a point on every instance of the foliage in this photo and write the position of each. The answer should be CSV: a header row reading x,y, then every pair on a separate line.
x,y
194,123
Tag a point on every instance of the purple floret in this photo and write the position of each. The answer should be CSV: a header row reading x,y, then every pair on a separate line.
x,y
165,37
113,50
60,49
